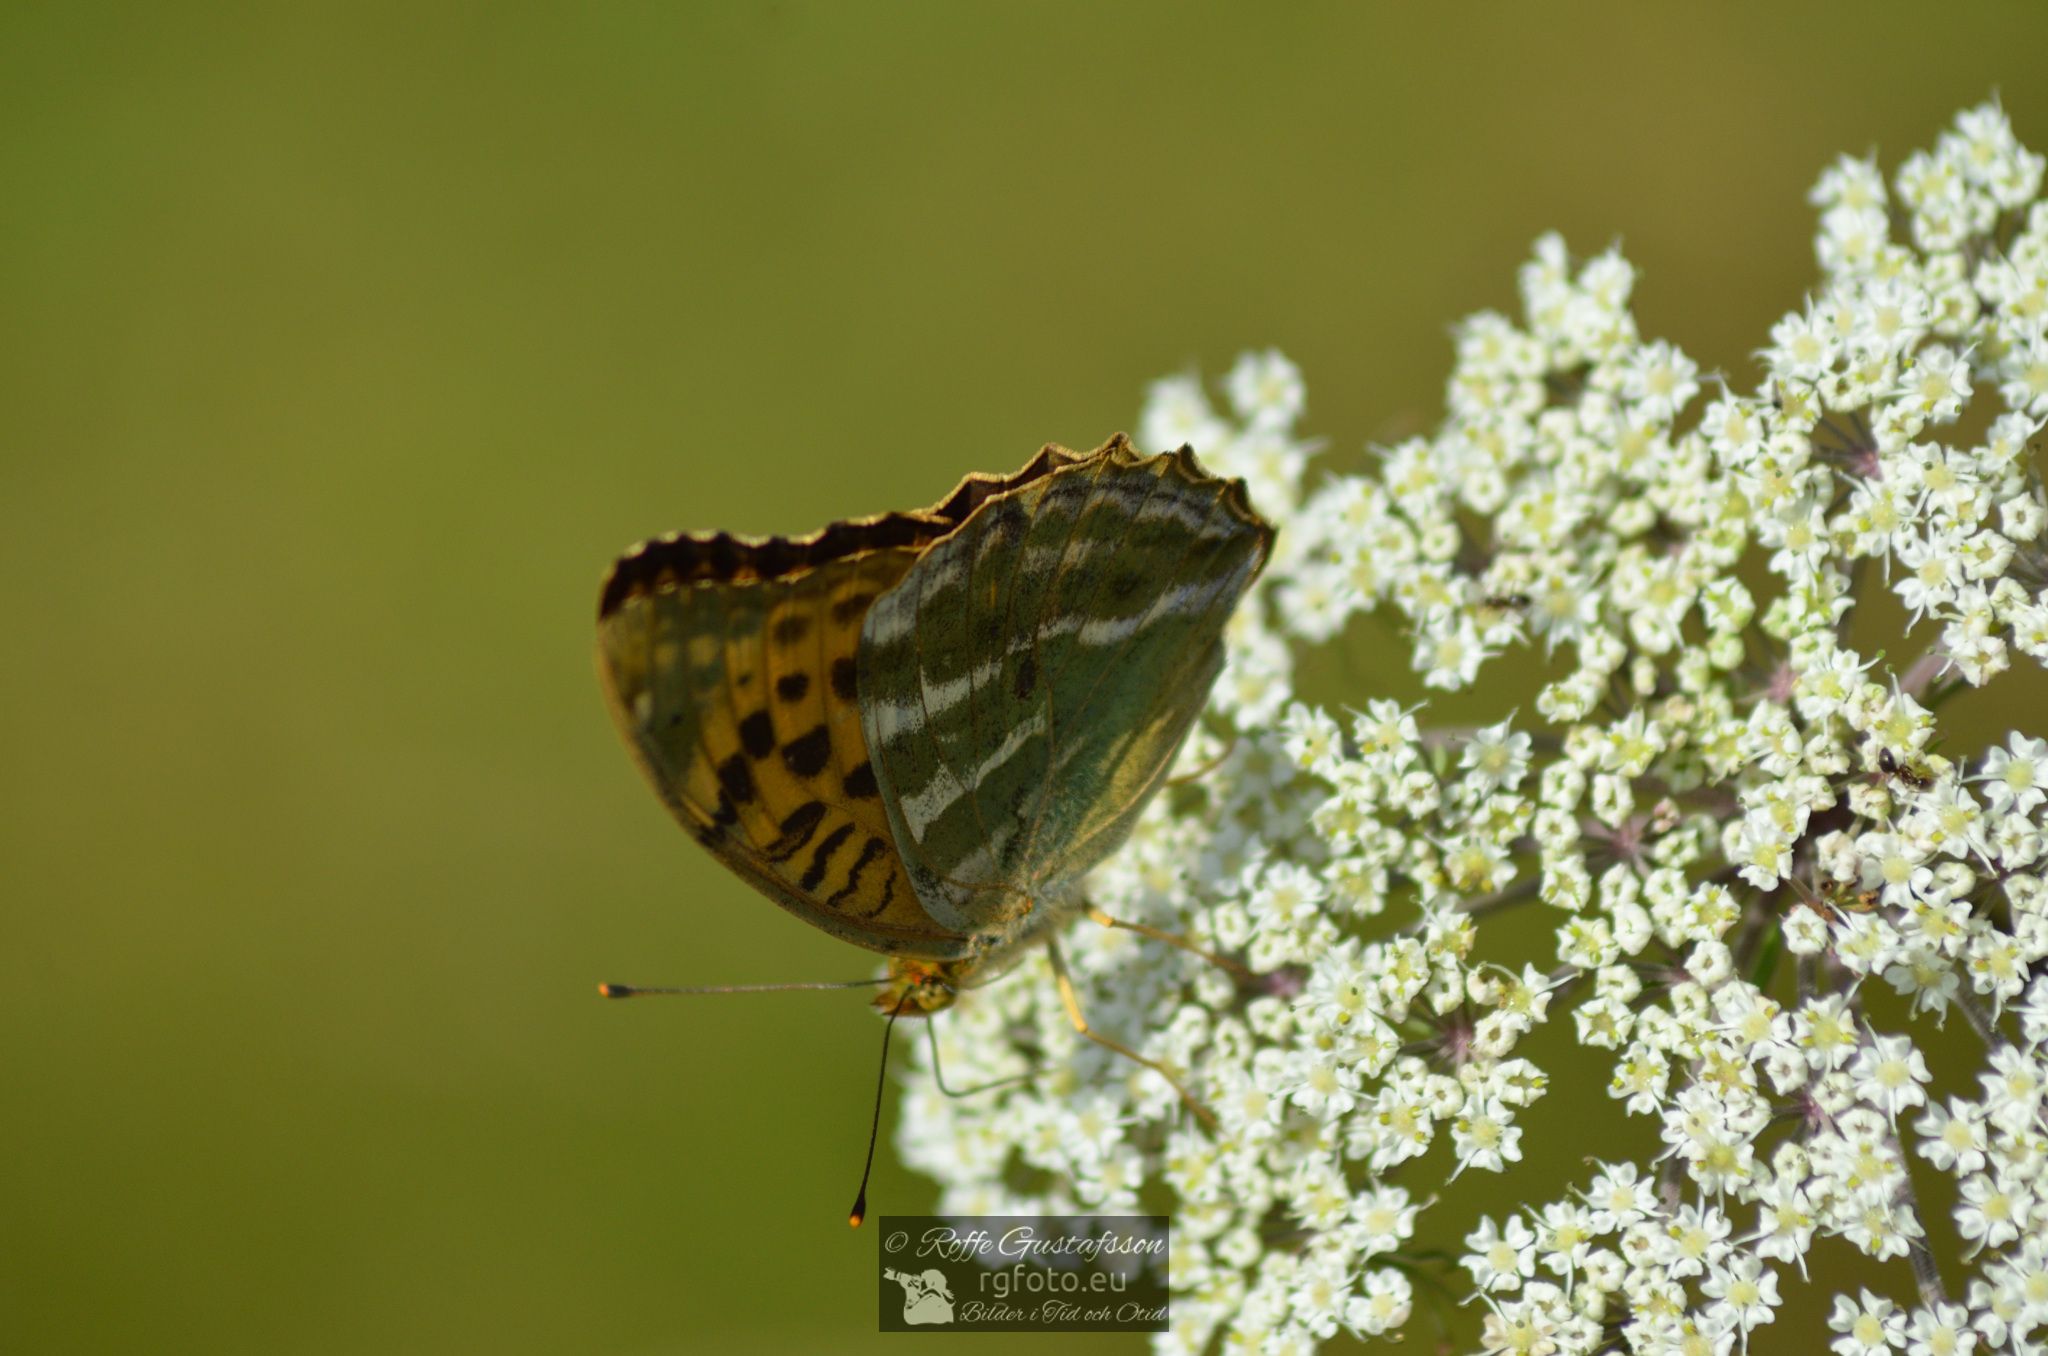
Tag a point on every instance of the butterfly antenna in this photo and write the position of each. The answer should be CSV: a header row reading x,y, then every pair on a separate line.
x,y
860,1200
637,991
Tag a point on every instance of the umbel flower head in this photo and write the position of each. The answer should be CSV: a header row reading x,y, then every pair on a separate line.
x,y
1768,880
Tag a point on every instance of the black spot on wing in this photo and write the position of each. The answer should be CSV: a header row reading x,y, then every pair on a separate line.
x,y
807,754
851,606
1027,677
860,783
791,687
845,679
796,830
736,780
873,848
814,874
888,893
790,629
757,735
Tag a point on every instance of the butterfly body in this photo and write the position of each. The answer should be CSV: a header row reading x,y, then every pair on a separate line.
x,y
919,731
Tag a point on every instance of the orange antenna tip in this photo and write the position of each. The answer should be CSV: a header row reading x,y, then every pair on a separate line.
x,y
616,990
860,1198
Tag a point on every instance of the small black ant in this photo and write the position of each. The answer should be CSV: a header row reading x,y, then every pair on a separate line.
x,y
1892,766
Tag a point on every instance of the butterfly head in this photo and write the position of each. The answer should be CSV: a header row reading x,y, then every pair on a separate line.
x,y
919,988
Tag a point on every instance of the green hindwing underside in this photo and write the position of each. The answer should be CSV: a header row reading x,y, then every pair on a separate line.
x,y
1025,686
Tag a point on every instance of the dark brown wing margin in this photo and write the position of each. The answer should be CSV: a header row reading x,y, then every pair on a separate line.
x,y
687,558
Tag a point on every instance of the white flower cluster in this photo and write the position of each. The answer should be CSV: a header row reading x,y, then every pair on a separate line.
x,y
1766,882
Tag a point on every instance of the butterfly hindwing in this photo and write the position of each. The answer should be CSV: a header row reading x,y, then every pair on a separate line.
x,y
1174,554
1026,684
739,696
943,659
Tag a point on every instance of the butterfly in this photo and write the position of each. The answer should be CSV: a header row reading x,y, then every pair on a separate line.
x,y
919,731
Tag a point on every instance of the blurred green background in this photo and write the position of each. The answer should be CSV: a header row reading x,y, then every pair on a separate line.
x,y
345,345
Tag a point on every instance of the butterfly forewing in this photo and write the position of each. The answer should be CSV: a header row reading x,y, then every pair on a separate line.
x,y
740,698
1026,684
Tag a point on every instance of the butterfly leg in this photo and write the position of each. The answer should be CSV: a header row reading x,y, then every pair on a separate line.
x,y
1235,969
939,1073
1072,1002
